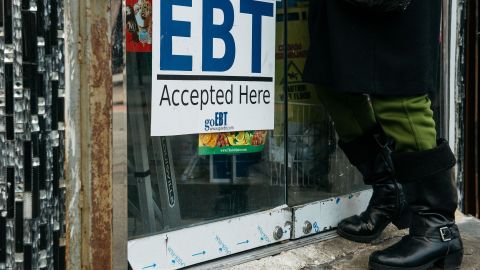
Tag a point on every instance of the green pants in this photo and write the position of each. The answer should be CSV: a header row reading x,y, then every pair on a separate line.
x,y
408,120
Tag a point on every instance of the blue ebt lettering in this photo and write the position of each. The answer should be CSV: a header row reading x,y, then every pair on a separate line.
x,y
220,120
171,28
257,9
212,31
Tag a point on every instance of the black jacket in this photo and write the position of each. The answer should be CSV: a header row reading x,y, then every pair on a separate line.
x,y
392,54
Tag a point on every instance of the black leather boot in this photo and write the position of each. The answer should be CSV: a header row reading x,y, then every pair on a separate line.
x,y
434,238
370,154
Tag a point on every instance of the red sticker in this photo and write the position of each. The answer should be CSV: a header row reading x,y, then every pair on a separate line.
x,y
139,25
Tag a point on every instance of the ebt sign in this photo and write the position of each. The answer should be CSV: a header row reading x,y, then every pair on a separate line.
x,y
212,56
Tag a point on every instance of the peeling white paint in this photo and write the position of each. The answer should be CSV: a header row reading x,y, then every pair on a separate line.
x,y
72,130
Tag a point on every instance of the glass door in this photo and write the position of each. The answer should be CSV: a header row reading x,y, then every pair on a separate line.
x,y
323,188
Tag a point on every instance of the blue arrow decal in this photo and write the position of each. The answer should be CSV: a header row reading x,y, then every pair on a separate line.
x,y
244,242
200,253
150,266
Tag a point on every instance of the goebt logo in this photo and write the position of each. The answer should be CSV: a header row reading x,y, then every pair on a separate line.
x,y
220,120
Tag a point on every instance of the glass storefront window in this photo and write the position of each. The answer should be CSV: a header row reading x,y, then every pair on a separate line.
x,y
171,186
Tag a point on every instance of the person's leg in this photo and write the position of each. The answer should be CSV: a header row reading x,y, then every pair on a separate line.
x,y
423,166
408,120
352,114
367,148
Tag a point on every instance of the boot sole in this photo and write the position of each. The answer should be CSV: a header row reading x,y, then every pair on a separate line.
x,y
359,238
377,266
450,262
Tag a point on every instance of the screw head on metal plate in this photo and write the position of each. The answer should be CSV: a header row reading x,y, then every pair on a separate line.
x,y
278,233
307,227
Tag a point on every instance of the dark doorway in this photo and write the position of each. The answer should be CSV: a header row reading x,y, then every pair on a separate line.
x,y
472,98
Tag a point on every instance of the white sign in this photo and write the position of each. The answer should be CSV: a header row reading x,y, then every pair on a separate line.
x,y
213,66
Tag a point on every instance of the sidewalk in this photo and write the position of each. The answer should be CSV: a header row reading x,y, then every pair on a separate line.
x,y
339,253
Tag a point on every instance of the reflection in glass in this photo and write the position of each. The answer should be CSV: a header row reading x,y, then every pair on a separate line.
x,y
317,168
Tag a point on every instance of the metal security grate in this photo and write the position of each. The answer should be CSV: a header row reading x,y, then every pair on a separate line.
x,y
32,187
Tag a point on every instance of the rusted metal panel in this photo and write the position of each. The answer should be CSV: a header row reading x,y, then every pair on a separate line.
x,y
89,182
100,95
